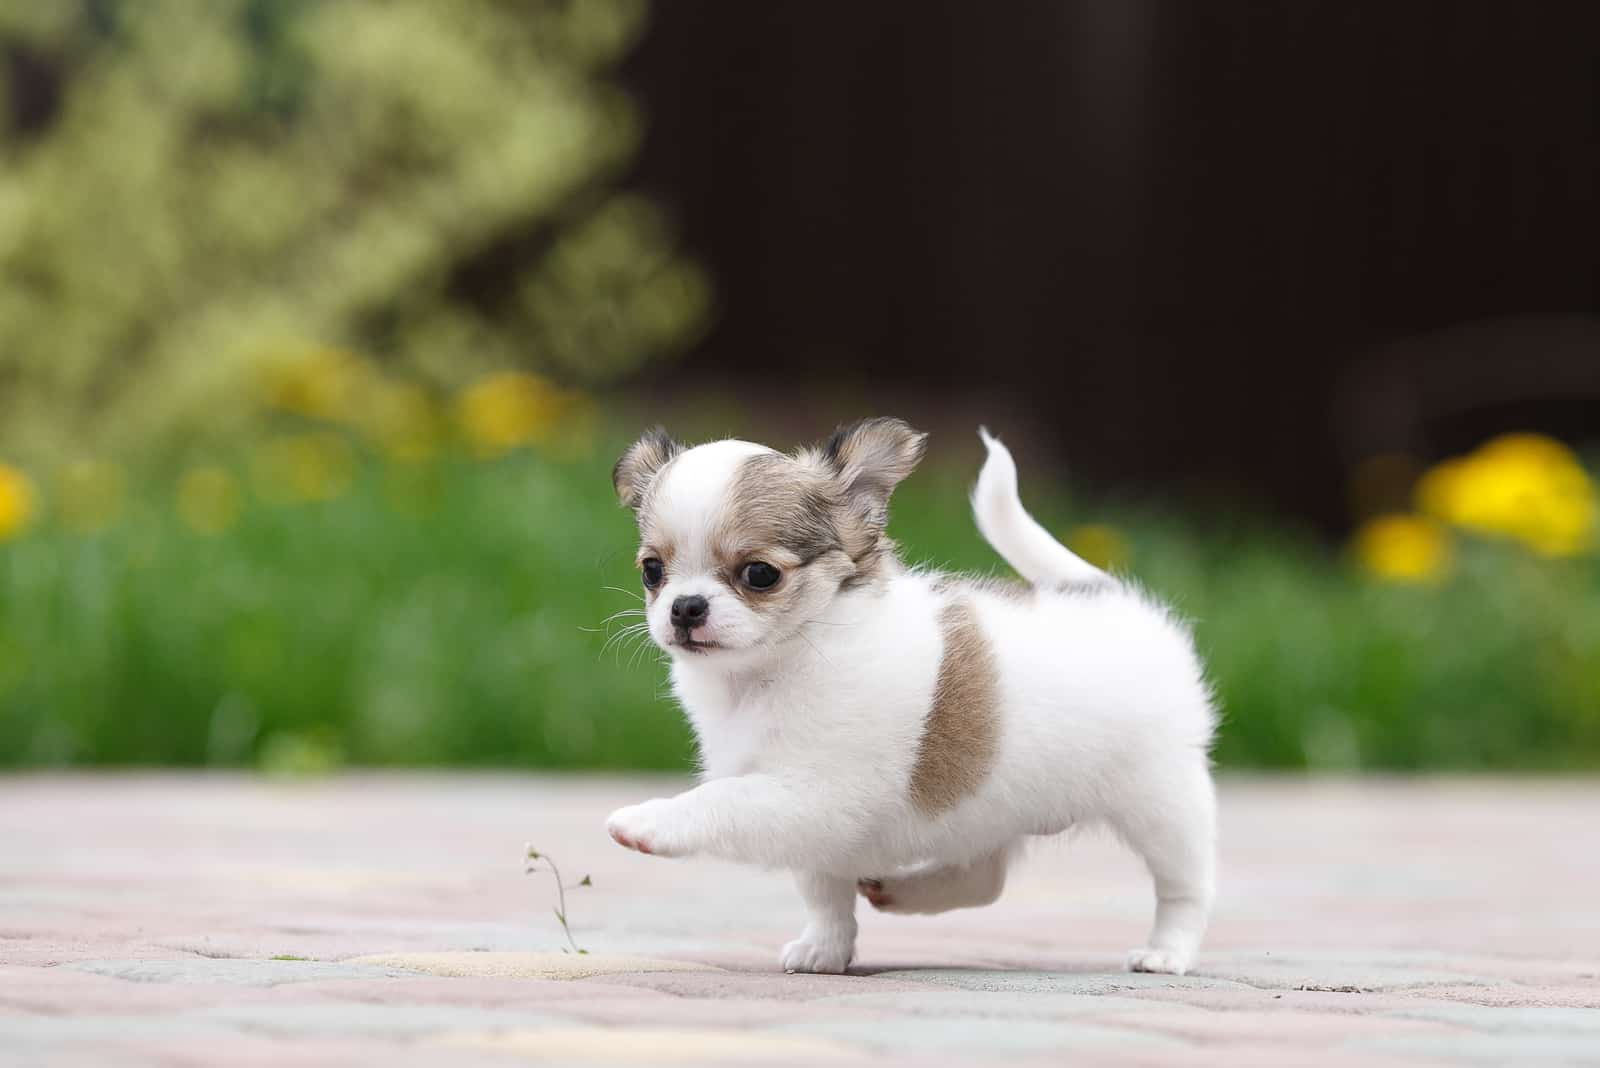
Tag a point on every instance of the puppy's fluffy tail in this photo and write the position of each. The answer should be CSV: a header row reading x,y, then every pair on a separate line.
x,y
1015,534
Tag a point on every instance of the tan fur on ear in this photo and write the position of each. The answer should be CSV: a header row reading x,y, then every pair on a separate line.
x,y
870,458
640,464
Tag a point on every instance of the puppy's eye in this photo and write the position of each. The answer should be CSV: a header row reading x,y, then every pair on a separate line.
x,y
760,576
650,571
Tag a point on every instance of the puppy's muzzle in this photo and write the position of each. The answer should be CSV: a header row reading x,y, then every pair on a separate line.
x,y
690,612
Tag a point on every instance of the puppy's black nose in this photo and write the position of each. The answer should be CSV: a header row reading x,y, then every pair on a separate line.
x,y
690,611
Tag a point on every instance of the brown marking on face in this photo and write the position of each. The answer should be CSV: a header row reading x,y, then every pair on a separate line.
x,y
783,512
961,734
777,503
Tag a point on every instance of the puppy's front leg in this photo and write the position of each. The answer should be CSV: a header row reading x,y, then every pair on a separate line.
x,y
829,940
754,819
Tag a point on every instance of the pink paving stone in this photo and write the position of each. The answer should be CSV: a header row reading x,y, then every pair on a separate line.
x,y
1432,921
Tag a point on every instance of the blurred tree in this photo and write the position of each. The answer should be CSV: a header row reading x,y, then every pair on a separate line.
x,y
197,191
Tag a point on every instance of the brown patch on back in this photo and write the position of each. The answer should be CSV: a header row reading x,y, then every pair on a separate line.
x,y
961,733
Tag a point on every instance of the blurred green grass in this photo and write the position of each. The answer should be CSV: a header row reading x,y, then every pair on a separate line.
x,y
452,612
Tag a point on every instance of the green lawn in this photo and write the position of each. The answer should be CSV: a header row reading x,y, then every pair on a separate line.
x,y
454,613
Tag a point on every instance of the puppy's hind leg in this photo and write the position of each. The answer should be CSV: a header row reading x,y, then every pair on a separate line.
x,y
829,940
942,888
1174,830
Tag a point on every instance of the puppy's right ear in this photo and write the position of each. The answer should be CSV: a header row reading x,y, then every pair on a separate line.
x,y
640,464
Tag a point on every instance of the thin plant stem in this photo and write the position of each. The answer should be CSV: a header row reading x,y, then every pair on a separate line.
x,y
534,856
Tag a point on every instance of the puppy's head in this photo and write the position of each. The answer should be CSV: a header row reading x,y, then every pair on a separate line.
x,y
741,546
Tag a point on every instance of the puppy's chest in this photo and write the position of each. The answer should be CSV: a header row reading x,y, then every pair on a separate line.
x,y
760,729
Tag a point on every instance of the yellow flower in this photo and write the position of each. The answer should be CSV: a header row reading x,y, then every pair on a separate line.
x,y
208,499
1522,486
90,495
509,409
1404,548
306,467
18,502
322,383
1100,544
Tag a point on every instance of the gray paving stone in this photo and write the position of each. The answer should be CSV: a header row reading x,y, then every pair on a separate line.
x,y
1508,1049
1005,1005
1512,1020
1080,983
231,971
346,1019
1337,972
138,913
987,1037
44,1032
526,965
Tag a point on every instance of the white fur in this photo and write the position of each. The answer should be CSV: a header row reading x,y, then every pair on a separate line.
x,y
808,741
1014,533
687,505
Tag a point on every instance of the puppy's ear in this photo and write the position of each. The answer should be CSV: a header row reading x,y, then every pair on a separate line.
x,y
640,464
869,459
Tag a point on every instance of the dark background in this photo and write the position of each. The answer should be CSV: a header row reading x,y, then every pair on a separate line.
x,y
1224,247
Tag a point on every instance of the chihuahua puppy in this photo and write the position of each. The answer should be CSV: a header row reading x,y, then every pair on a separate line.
x,y
899,732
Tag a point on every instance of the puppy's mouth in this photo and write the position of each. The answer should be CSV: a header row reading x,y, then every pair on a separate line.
x,y
682,639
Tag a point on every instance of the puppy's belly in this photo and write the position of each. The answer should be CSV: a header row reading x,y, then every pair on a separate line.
x,y
961,839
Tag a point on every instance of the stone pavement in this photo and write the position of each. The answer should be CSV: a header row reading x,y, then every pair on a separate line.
x,y
201,920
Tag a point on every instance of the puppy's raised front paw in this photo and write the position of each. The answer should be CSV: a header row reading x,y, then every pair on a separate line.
x,y
815,952
1164,961
646,828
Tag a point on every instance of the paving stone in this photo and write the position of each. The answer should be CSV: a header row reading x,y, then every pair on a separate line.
x,y
1424,919
1298,1029
1546,996
983,1036
1336,973
335,1020
525,965
1514,1020
659,1046
228,970
1509,1049
45,1032
996,1004
1086,983
771,984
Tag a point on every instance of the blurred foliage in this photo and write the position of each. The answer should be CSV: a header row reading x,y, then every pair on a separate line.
x,y
302,307
204,196
313,598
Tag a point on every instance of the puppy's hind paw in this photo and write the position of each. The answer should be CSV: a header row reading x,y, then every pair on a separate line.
x,y
817,953
876,893
1163,961
935,889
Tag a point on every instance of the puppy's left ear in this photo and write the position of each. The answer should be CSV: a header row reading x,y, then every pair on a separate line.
x,y
870,458
640,464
